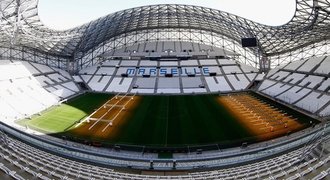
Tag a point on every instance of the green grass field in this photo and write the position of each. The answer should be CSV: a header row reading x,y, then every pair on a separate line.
x,y
60,118
158,121
180,120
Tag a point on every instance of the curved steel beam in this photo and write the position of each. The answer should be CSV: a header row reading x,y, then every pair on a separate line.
x,y
19,19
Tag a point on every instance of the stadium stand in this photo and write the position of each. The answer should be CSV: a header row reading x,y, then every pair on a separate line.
x,y
165,50
38,86
173,76
55,81
22,161
303,84
323,67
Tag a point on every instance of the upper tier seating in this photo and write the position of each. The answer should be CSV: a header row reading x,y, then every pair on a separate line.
x,y
304,84
55,81
310,64
324,67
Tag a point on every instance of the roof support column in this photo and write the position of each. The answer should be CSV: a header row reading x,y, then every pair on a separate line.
x,y
264,63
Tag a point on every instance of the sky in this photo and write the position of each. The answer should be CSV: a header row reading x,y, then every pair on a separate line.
x,y
66,14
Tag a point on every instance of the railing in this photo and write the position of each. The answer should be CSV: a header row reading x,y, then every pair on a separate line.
x,y
110,157
315,140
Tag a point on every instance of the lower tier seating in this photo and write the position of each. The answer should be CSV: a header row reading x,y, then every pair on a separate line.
x,y
22,161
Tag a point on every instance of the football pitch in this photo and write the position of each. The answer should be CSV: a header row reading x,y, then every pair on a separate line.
x,y
156,121
61,118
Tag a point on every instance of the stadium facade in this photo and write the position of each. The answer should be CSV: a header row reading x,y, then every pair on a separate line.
x,y
165,49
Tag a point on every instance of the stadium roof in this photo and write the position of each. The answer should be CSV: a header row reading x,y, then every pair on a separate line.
x,y
21,26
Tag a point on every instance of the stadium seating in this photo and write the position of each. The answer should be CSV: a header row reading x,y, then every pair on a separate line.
x,y
323,68
55,81
310,65
304,84
119,85
218,84
169,76
31,89
206,74
297,83
98,83
301,84
239,121
22,161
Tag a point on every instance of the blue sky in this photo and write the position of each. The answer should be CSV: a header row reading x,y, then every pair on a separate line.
x,y
65,14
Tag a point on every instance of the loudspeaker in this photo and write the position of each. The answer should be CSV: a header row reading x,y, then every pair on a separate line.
x,y
249,42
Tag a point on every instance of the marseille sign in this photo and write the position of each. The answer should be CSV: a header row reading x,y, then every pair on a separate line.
x,y
164,71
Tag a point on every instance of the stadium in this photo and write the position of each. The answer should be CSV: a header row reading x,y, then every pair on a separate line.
x,y
165,91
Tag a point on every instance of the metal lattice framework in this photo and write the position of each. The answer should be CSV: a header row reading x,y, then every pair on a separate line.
x,y
23,36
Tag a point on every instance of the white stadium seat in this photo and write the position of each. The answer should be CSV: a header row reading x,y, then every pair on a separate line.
x,y
313,102
293,78
294,65
89,70
218,84
191,82
239,81
129,63
146,83
168,83
98,83
310,64
148,63
231,69
312,80
252,76
277,89
105,71
226,62
112,63
168,91
325,84
86,78
43,68
324,67
38,86
208,62
189,63
214,69
248,69
143,91
120,85
302,86
168,63
294,94
326,111
280,75
194,90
